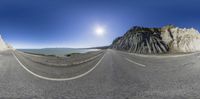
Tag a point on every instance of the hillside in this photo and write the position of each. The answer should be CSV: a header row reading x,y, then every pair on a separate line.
x,y
3,45
158,40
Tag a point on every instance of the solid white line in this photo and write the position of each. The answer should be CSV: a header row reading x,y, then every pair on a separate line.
x,y
135,62
58,79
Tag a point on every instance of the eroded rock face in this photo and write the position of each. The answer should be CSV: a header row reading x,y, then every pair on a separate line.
x,y
141,40
158,40
3,45
181,40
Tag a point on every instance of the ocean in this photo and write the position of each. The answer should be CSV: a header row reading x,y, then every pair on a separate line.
x,y
57,51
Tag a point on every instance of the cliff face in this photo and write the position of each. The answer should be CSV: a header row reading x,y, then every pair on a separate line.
x,y
3,45
141,40
158,40
181,40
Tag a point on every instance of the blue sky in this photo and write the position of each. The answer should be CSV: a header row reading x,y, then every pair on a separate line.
x,y
71,23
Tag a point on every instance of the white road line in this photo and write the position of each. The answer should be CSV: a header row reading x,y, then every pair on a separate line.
x,y
135,62
58,79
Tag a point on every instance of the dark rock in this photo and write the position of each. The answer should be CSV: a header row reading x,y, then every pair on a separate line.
x,y
141,40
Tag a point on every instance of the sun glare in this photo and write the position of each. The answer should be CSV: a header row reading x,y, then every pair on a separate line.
x,y
99,31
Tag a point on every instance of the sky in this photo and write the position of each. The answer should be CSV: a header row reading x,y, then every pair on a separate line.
x,y
73,23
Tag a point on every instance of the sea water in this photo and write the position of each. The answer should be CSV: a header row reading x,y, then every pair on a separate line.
x,y
57,51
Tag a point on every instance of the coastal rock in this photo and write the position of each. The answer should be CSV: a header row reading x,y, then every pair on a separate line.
x,y
3,45
158,40
181,39
141,40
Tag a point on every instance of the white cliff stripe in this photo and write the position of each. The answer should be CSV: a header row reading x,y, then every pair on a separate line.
x,y
58,79
135,62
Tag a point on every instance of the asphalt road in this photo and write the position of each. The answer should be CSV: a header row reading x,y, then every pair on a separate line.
x,y
56,72
117,75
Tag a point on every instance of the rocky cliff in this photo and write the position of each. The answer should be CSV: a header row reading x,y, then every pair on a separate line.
x,y
158,40
181,39
3,45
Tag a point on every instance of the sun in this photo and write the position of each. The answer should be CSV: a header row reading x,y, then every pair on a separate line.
x,y
99,31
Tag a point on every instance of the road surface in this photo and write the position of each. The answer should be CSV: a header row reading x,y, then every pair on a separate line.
x,y
117,75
